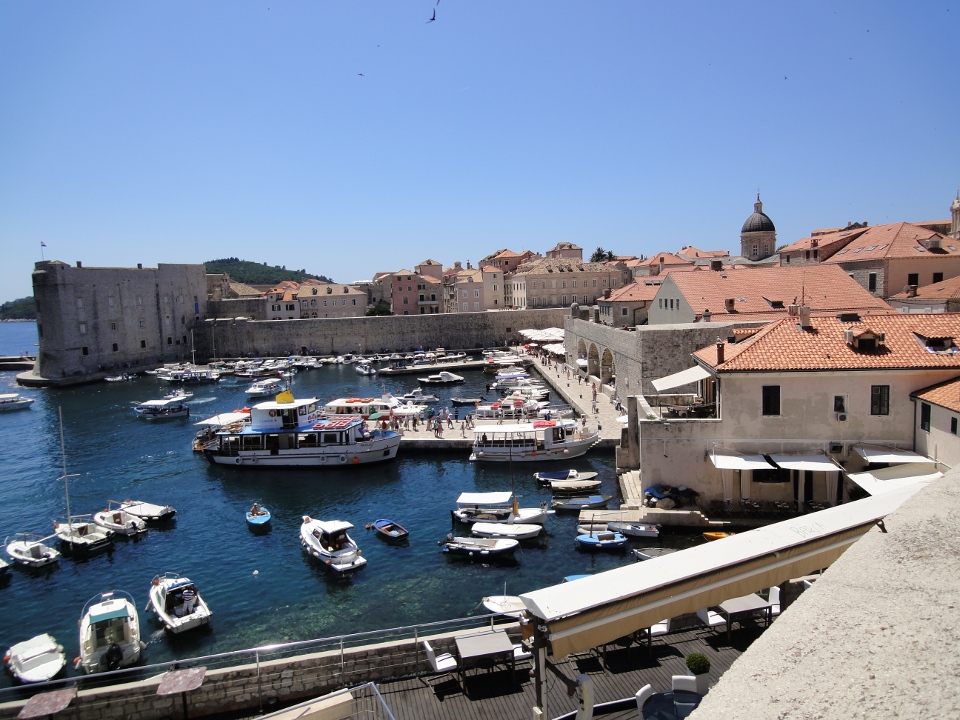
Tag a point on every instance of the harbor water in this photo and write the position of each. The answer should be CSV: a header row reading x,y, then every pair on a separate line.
x,y
262,588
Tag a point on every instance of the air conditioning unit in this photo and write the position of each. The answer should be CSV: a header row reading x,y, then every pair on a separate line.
x,y
841,417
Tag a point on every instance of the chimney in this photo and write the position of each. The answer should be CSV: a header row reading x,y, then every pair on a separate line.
x,y
707,315
139,266
912,291
805,317
606,294
814,243
716,265
719,351
728,304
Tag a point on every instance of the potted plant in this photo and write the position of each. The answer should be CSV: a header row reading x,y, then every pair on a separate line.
x,y
699,665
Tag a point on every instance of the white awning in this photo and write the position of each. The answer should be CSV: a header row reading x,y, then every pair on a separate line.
x,y
877,454
224,419
895,477
815,463
683,377
732,461
487,498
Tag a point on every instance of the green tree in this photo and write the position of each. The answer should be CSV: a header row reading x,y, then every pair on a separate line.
x,y
21,309
381,308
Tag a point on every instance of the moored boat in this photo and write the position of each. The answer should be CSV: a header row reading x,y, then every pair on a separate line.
x,y
120,521
287,432
571,487
634,529
478,547
510,605
366,406
464,401
14,401
146,511
530,442
546,478
109,633
329,542
29,550
717,535
35,660
497,507
177,603
417,396
651,553
576,503
515,531
389,529
602,541
444,377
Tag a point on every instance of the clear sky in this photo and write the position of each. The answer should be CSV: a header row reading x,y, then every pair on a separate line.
x,y
354,137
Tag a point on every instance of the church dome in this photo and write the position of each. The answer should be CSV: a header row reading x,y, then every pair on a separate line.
x,y
758,222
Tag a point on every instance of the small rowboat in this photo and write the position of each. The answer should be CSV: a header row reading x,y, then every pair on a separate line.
x,y
547,478
717,535
651,553
575,503
389,530
634,529
602,541
258,515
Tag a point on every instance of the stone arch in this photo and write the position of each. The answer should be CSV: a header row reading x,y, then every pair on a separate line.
x,y
581,353
608,368
593,360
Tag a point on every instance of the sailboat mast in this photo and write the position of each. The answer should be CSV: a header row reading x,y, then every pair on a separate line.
x,y
66,481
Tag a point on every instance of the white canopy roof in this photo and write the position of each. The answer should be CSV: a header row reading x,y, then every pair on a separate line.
x,y
545,335
487,498
895,477
816,463
162,403
224,419
726,460
684,377
555,348
877,454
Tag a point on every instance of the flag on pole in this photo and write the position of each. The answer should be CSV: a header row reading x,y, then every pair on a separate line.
x,y
42,244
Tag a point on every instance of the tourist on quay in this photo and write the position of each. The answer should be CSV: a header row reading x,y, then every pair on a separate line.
x,y
463,428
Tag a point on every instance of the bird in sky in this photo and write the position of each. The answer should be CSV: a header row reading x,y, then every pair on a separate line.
x,y
361,74
434,17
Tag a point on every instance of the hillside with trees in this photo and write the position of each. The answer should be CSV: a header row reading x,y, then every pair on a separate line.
x,y
253,273
22,309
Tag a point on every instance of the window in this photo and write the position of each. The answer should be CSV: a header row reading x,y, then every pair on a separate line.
x,y
110,298
466,294
938,277
113,326
140,300
83,328
405,301
925,417
879,399
169,340
839,403
465,307
79,303
771,400
476,306
85,350
476,293
913,279
872,282
354,301
115,347
623,311
787,257
953,425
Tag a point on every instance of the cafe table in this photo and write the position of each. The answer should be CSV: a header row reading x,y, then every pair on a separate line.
x,y
738,608
475,650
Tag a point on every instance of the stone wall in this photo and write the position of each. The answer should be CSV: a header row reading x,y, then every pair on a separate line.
x,y
237,338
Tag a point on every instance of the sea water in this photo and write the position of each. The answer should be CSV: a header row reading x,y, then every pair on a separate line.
x,y
262,588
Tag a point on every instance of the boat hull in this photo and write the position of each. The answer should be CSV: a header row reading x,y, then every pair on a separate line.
x,y
390,530
32,553
174,616
35,660
601,542
332,457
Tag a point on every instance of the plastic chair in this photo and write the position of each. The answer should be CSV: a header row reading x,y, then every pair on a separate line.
x,y
520,652
439,663
643,694
710,618
685,695
684,683
774,599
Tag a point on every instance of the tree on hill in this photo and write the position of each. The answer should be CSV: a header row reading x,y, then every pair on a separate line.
x,y
253,273
600,255
22,309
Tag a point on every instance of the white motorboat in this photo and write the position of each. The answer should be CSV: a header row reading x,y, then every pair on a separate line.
x,y
120,378
512,409
365,368
530,442
35,660
265,388
547,478
442,378
478,547
146,511
568,487
417,396
329,542
177,603
189,376
510,605
78,535
366,406
515,531
497,507
287,432
634,529
14,401
29,550
119,520
178,392
109,633
165,409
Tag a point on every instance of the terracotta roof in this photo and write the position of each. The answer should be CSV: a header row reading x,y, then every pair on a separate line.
x,y
909,341
668,259
244,290
633,292
945,394
944,290
826,241
692,252
899,240
772,289
561,265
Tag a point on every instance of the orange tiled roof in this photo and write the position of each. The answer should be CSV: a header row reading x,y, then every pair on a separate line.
x,y
668,259
898,240
633,292
945,394
772,289
826,241
944,290
692,252
784,346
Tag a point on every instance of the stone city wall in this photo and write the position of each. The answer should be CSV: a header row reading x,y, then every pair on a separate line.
x,y
239,338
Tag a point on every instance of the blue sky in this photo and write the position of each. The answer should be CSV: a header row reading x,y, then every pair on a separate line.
x,y
181,132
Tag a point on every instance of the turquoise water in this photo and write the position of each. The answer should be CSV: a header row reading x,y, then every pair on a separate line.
x,y
118,456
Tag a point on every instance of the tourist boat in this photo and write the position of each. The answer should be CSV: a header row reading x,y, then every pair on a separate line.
x,y
35,660
177,603
512,409
189,376
14,401
602,541
576,503
651,553
165,409
146,511
109,633
287,432
210,426
417,396
634,529
329,542
366,406
478,547
265,388
120,521
258,516
463,401
526,392
120,378
442,378
530,442
497,507
30,551
510,605
365,368
547,478
389,529
514,531
717,535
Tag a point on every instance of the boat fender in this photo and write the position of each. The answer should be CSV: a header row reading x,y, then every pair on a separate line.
x,y
343,458
253,459
323,458
238,461
273,413
356,460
